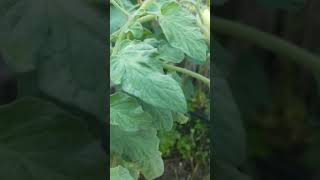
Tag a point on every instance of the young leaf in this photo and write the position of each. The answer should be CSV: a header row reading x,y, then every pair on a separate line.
x,y
136,30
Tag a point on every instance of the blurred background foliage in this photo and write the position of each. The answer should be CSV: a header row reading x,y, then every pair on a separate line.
x,y
276,101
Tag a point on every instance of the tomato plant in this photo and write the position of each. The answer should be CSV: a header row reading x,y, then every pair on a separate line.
x,y
148,39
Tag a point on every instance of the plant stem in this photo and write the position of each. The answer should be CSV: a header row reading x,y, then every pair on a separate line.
x,y
267,41
146,4
147,18
188,72
141,20
120,8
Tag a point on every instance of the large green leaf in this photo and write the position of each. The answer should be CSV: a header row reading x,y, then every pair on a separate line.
x,y
162,118
120,173
77,78
182,32
138,71
139,147
127,113
40,141
65,44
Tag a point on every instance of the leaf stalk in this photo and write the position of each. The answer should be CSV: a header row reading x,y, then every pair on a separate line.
x,y
205,80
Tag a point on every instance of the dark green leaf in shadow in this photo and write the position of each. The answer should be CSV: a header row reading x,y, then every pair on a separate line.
x,y
64,40
38,140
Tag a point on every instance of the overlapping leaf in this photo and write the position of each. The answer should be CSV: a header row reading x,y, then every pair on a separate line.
x,y
162,118
169,53
182,32
126,113
139,147
138,71
38,140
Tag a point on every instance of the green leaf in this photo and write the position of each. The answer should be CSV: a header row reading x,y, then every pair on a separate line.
x,y
138,71
162,118
188,88
180,118
132,55
153,42
175,76
136,30
38,140
61,76
182,32
139,147
117,19
169,53
126,113
64,44
26,27
120,173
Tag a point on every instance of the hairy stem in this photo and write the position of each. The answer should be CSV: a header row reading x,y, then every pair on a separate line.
x,y
147,18
188,72
141,20
131,20
267,41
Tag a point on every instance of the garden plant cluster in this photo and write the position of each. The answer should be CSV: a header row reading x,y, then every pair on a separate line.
x,y
148,41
